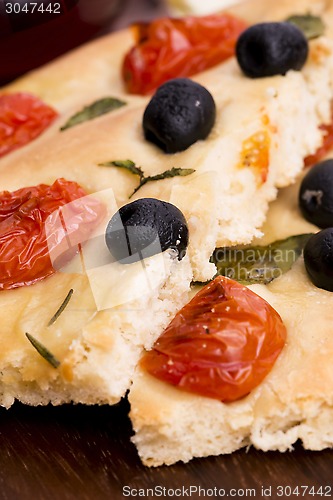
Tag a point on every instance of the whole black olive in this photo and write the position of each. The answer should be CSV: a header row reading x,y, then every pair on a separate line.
x,y
316,194
144,228
318,259
268,49
180,113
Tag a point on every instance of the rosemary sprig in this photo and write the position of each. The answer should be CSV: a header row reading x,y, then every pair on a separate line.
x,y
43,351
173,172
130,166
61,308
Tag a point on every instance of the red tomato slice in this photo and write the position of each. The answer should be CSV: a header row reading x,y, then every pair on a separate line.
x,y
222,344
24,247
169,48
23,117
324,148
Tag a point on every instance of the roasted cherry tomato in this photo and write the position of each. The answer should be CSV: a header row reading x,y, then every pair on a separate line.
x,y
23,117
169,48
221,345
255,154
324,149
26,245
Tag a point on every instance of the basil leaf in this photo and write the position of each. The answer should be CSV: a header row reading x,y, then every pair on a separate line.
x,y
312,26
94,110
43,351
259,264
126,164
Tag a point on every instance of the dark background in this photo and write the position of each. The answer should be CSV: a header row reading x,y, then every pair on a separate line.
x,y
30,38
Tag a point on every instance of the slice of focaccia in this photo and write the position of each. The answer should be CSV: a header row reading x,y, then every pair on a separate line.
x,y
293,402
96,341
224,201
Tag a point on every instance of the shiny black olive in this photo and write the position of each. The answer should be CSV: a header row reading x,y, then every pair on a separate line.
x,y
180,113
269,49
316,194
318,259
144,228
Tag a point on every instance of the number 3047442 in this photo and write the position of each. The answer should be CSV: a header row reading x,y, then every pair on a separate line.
x,y
31,7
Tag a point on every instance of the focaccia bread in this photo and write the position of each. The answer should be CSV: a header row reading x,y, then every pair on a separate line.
x,y
224,201
294,401
97,348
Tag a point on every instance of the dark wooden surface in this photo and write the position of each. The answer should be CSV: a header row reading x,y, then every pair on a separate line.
x,y
76,452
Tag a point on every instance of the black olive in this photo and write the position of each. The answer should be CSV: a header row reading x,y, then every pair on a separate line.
x,y
318,259
180,113
316,195
268,49
144,228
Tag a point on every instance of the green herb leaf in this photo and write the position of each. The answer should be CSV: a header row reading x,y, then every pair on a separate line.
x,y
259,264
43,351
312,26
61,308
173,172
97,108
131,167
126,164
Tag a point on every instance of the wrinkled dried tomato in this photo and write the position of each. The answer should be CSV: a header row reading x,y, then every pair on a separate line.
x,y
26,244
222,344
168,48
23,117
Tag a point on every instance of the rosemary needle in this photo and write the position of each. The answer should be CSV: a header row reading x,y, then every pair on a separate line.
x,y
61,308
43,351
